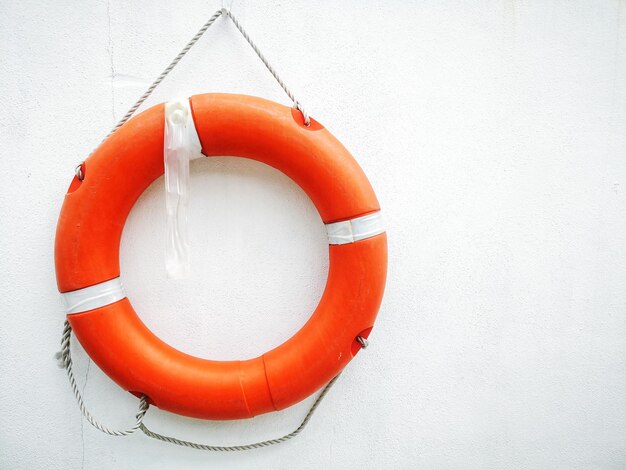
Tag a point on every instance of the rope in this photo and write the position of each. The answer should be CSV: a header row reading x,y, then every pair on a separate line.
x,y
167,70
223,12
297,105
256,445
65,356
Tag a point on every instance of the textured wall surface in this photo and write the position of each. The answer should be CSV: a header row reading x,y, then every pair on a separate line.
x,y
495,136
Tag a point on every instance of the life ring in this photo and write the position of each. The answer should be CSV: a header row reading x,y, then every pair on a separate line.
x,y
88,274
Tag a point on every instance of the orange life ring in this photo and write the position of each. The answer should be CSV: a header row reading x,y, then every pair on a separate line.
x,y
87,260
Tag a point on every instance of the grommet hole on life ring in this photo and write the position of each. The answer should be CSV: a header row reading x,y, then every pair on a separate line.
x,y
259,261
299,118
360,341
79,177
141,394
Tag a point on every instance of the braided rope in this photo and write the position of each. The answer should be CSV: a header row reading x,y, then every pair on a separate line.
x,y
256,445
223,12
227,13
65,357
167,70
244,33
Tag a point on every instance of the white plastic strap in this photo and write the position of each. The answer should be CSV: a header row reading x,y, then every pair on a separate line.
x,y
180,145
95,296
353,230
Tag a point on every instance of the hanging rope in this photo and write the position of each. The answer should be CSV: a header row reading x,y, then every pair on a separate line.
x,y
65,356
223,12
296,103
256,445
228,14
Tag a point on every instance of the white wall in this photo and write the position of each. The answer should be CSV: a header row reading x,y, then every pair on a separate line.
x,y
495,136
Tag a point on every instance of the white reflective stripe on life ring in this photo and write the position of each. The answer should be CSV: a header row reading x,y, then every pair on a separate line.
x,y
96,296
353,230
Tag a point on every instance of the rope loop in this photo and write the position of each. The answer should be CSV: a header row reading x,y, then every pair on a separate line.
x,y
221,12
65,358
256,445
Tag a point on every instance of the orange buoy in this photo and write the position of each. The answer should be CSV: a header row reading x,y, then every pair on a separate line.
x,y
88,274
